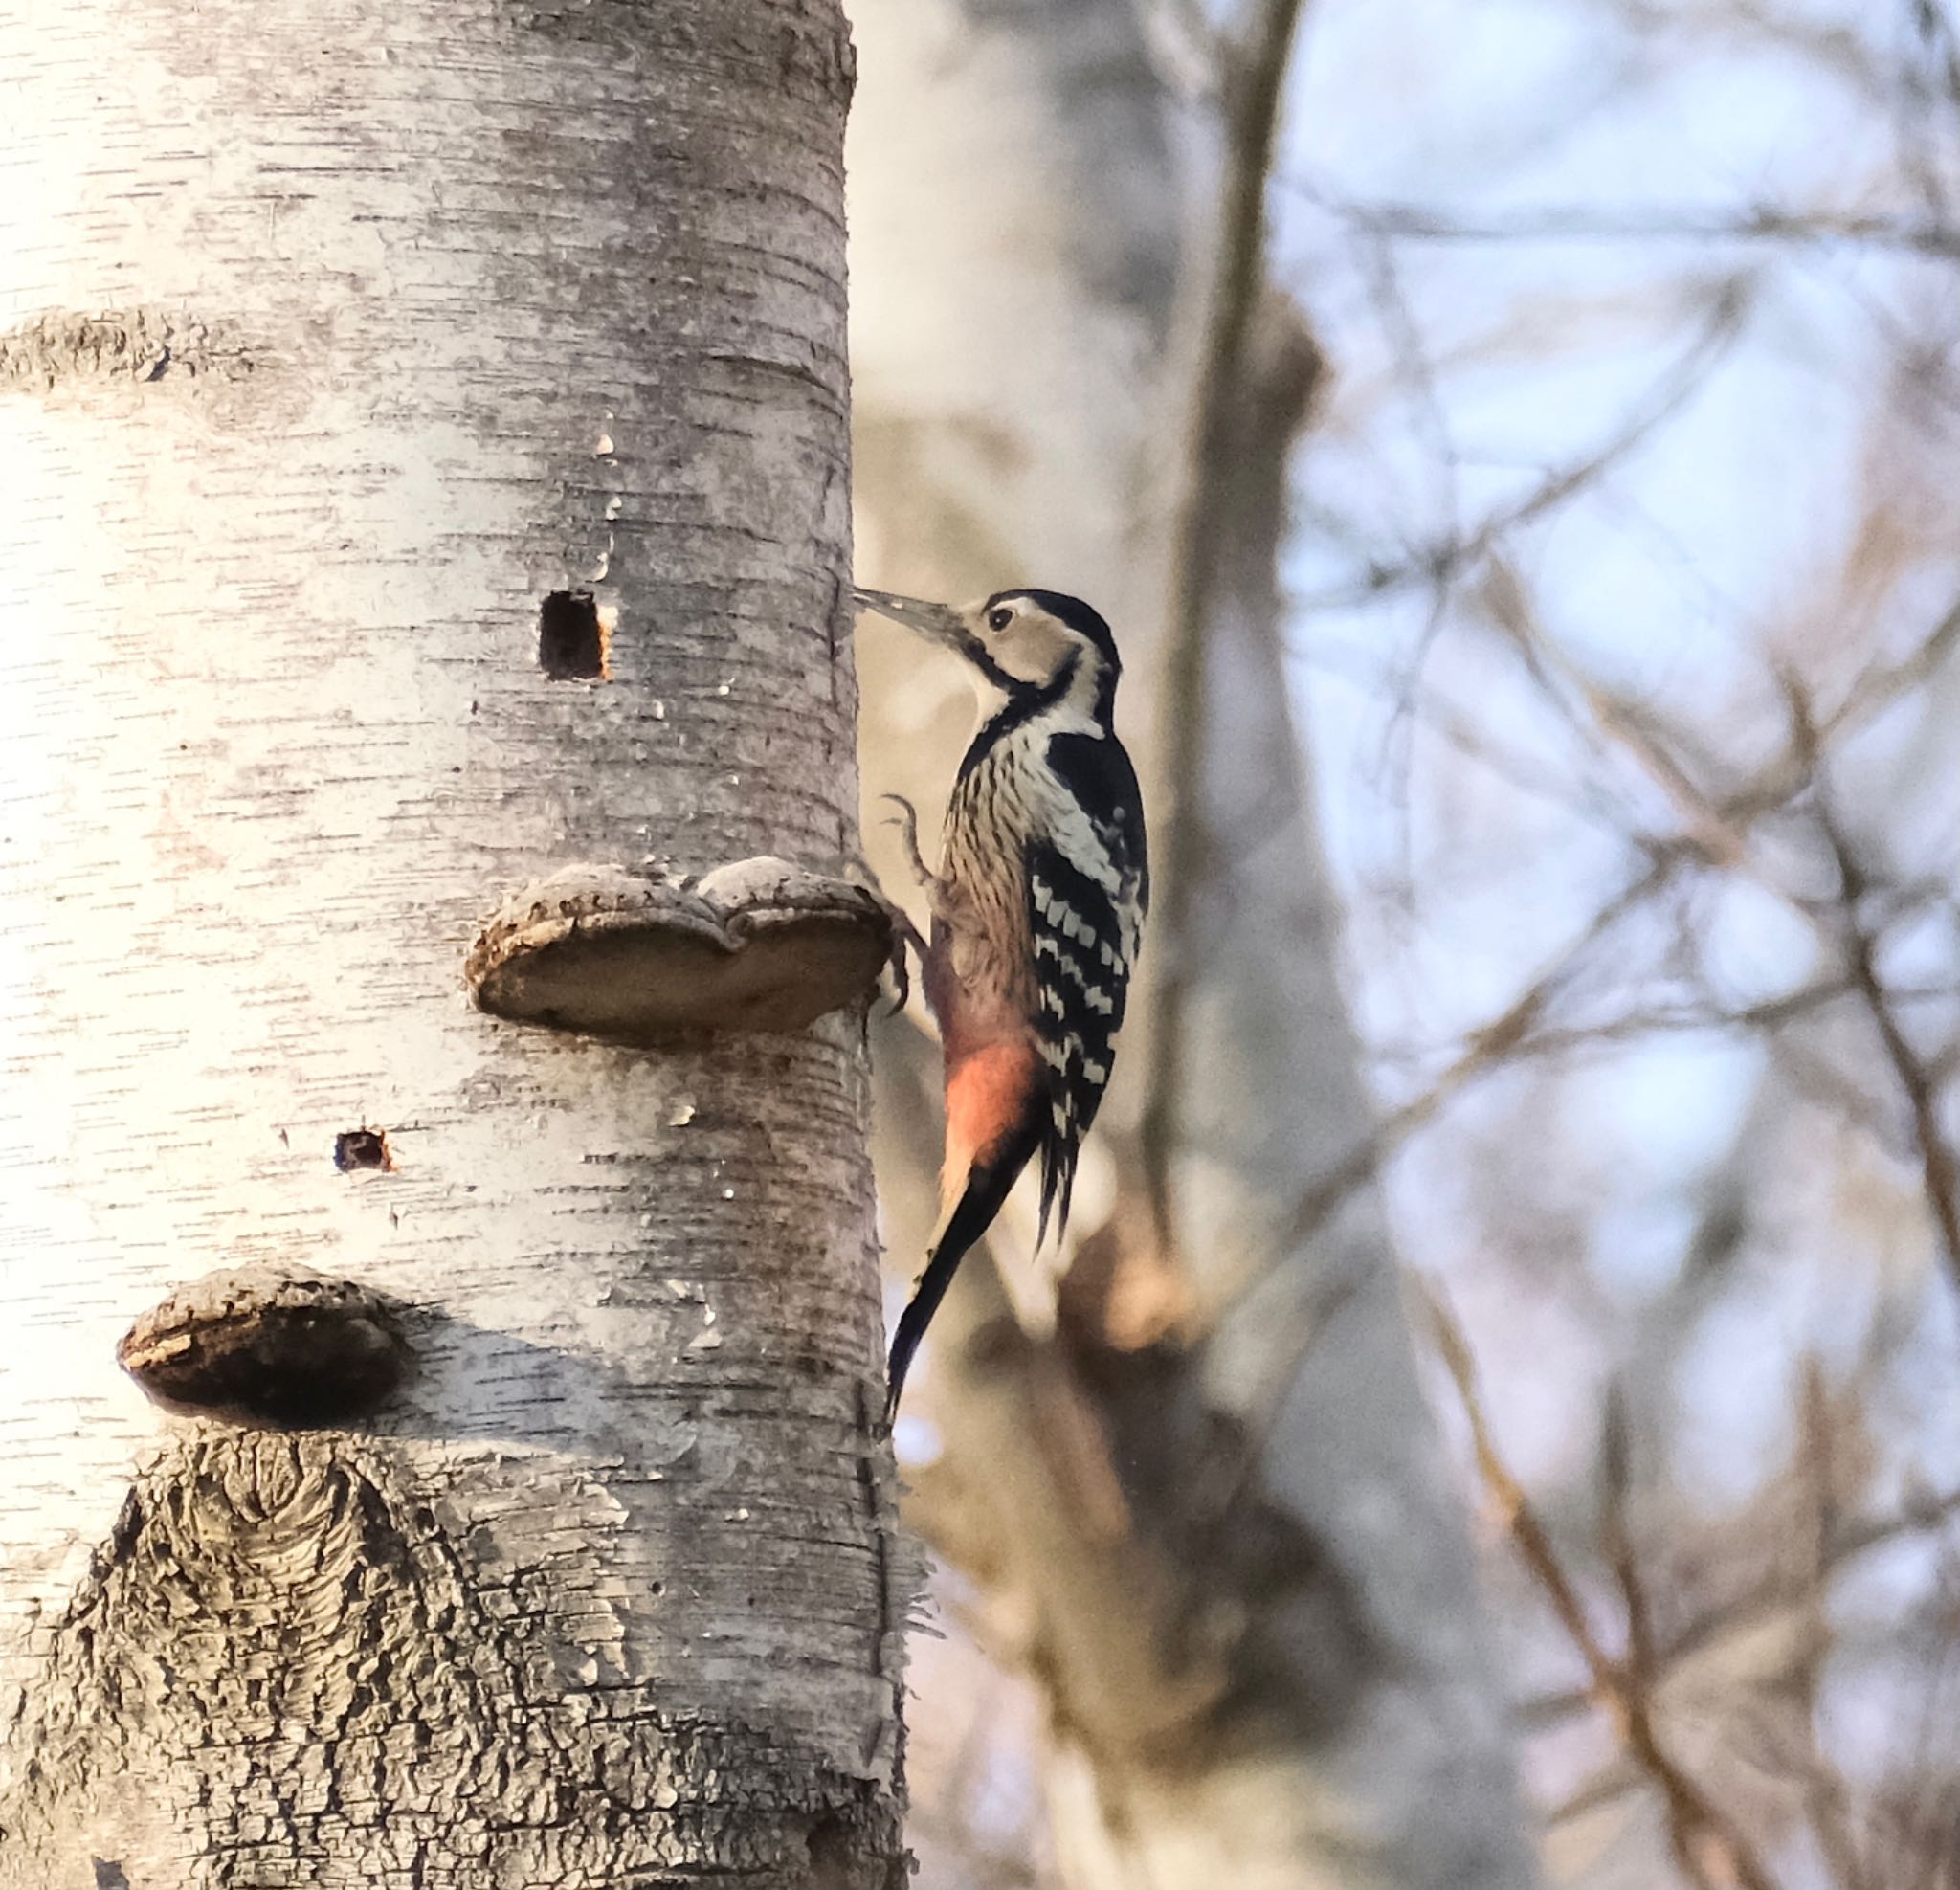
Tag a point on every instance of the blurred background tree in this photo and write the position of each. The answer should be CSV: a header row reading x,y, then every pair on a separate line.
x,y
1529,544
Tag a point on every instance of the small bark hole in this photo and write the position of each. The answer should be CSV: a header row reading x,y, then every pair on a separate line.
x,y
362,1148
572,639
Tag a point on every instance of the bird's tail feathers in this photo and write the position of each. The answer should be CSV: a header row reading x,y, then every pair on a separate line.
x,y
987,1185
1058,1153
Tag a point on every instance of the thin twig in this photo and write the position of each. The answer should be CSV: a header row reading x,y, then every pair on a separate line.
x,y
1718,836
1726,843
1707,1845
1435,715
1488,1048
1880,688
1616,1539
1514,1038
1808,35
1517,1032
1680,1020
1767,1600
1939,1176
1254,120
1579,223
1873,693
1826,1796
1942,46
1670,392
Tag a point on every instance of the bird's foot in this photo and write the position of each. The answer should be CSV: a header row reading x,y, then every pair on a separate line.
x,y
907,821
903,933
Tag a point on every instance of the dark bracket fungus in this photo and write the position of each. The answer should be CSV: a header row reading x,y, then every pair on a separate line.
x,y
757,945
279,1347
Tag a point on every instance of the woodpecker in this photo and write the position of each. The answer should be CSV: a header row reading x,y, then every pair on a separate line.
x,y
1038,911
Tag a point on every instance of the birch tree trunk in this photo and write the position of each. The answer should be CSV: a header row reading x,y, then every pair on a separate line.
x,y
1210,1519
423,465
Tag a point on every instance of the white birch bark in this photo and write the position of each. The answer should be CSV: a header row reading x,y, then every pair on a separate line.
x,y
1234,1569
332,340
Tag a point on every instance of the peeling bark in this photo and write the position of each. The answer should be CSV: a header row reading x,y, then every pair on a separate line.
x,y
335,342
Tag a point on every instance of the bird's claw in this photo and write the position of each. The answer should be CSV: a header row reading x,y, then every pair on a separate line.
x,y
903,933
907,821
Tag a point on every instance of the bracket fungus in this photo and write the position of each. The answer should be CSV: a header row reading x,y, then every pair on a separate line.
x,y
756,945
279,1347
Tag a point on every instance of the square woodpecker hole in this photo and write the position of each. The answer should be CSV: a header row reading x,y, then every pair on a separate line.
x,y
362,1148
571,641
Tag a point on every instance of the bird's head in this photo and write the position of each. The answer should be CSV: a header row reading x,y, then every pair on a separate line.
x,y
1023,643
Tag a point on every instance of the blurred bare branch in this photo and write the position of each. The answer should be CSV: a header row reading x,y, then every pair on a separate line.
x,y
1728,306
1579,224
1253,109
1486,1048
1770,1600
1710,1849
1940,1175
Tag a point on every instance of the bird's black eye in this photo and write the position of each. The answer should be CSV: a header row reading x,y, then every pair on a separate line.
x,y
999,617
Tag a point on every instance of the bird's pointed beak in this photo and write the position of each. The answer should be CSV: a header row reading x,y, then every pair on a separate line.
x,y
939,622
